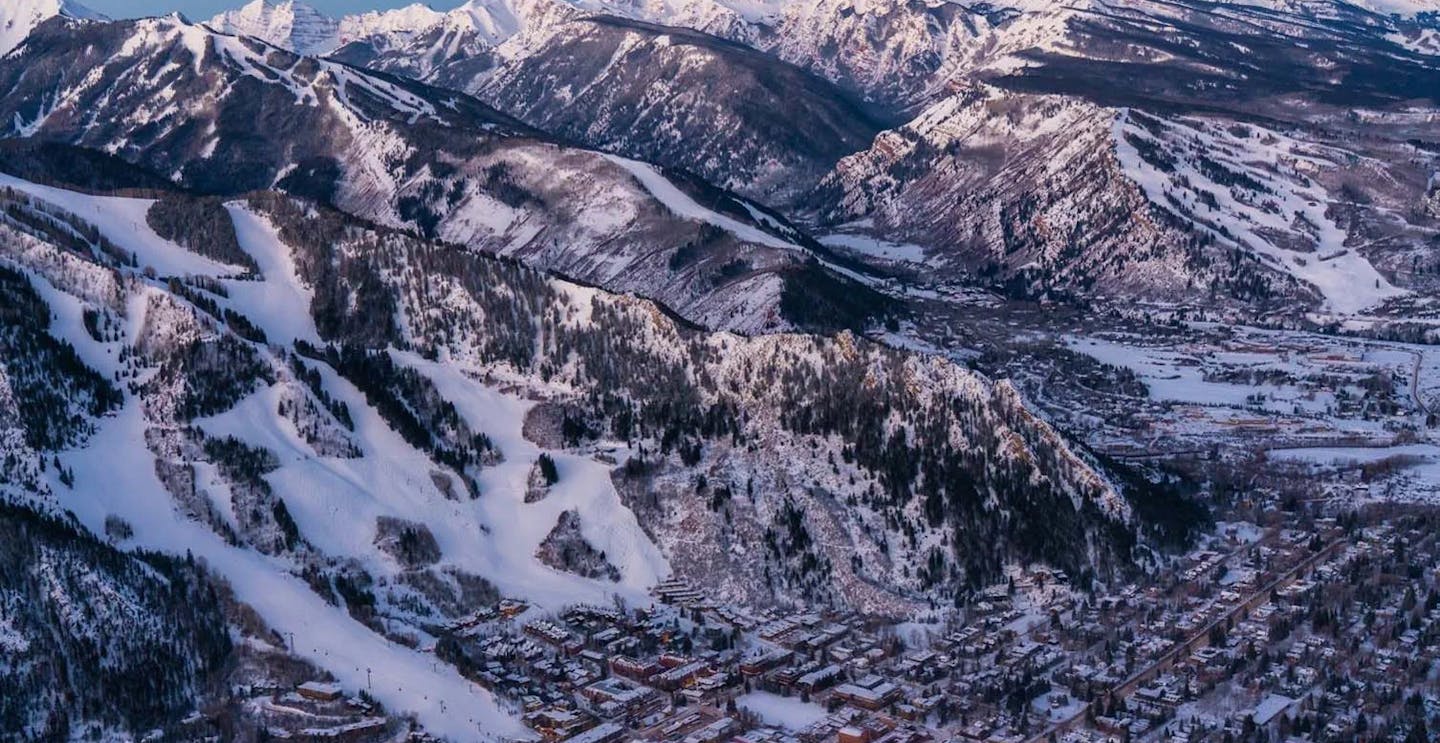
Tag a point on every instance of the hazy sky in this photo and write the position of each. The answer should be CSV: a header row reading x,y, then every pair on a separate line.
x,y
203,9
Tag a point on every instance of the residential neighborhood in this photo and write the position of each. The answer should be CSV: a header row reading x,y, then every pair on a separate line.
x,y
1325,631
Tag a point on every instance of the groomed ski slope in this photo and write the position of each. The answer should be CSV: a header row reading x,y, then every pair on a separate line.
x,y
336,501
280,303
1345,279
123,221
115,474
682,205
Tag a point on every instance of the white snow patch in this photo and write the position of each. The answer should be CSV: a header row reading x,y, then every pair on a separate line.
x,y
786,712
875,247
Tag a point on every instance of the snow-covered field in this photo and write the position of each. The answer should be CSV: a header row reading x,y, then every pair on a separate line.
x,y
1170,375
1336,404
875,247
786,712
1415,475
1355,455
1275,371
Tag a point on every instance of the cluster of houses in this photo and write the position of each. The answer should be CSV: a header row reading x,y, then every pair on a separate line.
x,y
1319,632
1243,639
313,711
1346,647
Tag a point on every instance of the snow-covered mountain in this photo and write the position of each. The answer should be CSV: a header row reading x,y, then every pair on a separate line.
x,y
466,44
1012,116
397,24
285,23
384,318
1038,171
763,109
300,28
19,17
342,423
183,100
892,52
683,99
303,29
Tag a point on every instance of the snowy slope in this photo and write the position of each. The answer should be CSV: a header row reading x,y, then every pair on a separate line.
x,y
334,500
405,155
124,219
682,205
1252,187
221,364
18,17
115,475
735,116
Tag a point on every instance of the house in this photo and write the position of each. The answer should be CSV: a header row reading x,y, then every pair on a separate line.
x,y
868,694
607,733
319,691
1269,708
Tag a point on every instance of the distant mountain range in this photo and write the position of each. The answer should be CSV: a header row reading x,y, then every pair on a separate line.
x,y
939,126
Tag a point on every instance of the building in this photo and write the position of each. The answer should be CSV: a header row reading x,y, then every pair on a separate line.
x,y
319,691
679,676
607,733
635,670
870,694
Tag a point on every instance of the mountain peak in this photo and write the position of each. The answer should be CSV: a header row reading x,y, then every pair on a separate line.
x,y
284,23
400,22
19,17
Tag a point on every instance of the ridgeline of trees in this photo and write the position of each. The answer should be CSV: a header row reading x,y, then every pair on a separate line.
x,y
127,640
